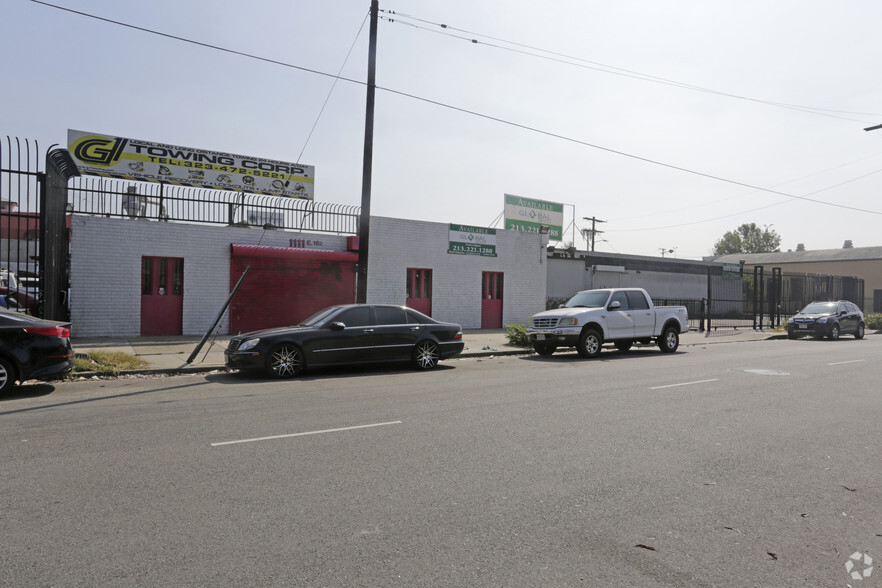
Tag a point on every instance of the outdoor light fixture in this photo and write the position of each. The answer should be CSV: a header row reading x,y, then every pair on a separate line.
x,y
543,229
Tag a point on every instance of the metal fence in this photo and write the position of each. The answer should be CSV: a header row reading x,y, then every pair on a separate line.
x,y
21,185
165,202
755,299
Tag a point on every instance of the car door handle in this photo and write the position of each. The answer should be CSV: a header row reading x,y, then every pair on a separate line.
x,y
414,328
367,331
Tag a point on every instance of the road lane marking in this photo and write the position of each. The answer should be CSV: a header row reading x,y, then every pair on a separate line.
x,y
305,433
684,384
849,361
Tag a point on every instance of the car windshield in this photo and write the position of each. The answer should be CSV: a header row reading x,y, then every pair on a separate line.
x,y
590,299
820,308
319,317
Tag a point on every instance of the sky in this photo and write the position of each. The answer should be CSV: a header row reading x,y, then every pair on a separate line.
x,y
673,122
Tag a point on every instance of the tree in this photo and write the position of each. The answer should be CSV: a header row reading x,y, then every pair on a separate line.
x,y
748,238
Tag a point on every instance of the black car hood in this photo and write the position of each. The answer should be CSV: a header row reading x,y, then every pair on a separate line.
x,y
274,331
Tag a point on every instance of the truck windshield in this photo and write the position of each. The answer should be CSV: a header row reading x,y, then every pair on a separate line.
x,y
590,299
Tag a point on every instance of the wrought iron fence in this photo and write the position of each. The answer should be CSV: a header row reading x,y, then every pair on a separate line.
x,y
21,185
165,202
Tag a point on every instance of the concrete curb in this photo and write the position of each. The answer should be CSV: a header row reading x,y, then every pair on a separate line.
x,y
508,351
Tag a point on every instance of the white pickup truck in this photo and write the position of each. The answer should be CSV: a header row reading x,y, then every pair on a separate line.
x,y
621,316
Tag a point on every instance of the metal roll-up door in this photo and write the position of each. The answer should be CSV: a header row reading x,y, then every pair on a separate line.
x,y
285,285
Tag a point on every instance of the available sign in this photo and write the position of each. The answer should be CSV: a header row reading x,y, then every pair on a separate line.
x,y
732,271
528,214
132,159
466,240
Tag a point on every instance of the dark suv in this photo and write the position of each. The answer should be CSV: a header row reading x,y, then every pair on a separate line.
x,y
827,319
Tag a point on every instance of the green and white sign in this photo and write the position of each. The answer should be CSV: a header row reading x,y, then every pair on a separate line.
x,y
528,214
466,240
732,271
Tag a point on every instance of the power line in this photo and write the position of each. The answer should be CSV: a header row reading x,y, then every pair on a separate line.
x,y
334,85
462,110
611,69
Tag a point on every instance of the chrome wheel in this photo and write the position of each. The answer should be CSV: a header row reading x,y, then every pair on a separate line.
x,y
859,334
7,376
426,355
670,340
285,361
589,344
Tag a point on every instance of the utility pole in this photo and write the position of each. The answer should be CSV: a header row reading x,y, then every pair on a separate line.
x,y
593,230
364,219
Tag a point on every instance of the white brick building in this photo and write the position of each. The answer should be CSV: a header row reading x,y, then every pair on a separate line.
x,y
107,256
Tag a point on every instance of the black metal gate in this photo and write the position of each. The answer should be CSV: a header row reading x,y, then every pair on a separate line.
x,y
22,185
34,228
760,299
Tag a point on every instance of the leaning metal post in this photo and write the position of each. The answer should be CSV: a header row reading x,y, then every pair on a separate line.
x,y
218,318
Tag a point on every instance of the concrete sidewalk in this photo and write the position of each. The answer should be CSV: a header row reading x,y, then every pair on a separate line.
x,y
170,354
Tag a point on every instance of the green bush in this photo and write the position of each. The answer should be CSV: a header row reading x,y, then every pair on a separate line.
x,y
873,321
517,335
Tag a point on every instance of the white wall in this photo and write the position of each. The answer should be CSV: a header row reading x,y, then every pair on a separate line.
x,y
106,269
398,244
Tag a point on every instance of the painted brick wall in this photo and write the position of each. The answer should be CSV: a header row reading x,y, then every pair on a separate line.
x,y
106,269
398,244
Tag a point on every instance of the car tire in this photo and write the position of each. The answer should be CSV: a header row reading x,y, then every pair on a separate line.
x,y
544,350
7,376
426,355
590,342
859,334
284,361
834,332
623,346
669,341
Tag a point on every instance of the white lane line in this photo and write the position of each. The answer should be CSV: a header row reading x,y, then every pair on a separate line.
x,y
849,361
684,384
306,433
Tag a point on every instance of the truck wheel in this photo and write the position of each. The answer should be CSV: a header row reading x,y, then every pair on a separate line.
x,y
589,344
544,349
669,341
623,346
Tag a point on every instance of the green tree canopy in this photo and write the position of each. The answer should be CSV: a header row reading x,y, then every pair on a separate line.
x,y
748,238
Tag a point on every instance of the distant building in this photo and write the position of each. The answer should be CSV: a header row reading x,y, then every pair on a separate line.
x,y
860,262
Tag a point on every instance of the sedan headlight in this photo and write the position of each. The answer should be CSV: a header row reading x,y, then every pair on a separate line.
x,y
248,344
822,320
568,322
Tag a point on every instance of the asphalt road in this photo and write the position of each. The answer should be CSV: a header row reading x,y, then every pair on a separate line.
x,y
736,464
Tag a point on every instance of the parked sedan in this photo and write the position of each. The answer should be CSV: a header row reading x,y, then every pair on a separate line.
x,y
31,348
347,334
827,319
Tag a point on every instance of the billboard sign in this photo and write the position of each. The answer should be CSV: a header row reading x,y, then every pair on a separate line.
x,y
132,159
467,240
528,214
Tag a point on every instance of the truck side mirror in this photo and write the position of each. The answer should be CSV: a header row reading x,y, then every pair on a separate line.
x,y
614,305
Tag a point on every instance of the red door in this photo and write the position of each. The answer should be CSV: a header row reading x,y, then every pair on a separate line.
x,y
419,290
491,300
162,296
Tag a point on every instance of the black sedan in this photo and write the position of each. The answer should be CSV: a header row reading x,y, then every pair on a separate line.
x,y
827,319
32,348
347,334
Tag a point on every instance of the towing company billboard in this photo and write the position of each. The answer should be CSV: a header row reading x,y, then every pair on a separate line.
x,y
132,159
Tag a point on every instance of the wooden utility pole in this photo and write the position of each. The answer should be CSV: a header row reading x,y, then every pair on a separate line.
x,y
364,219
593,230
